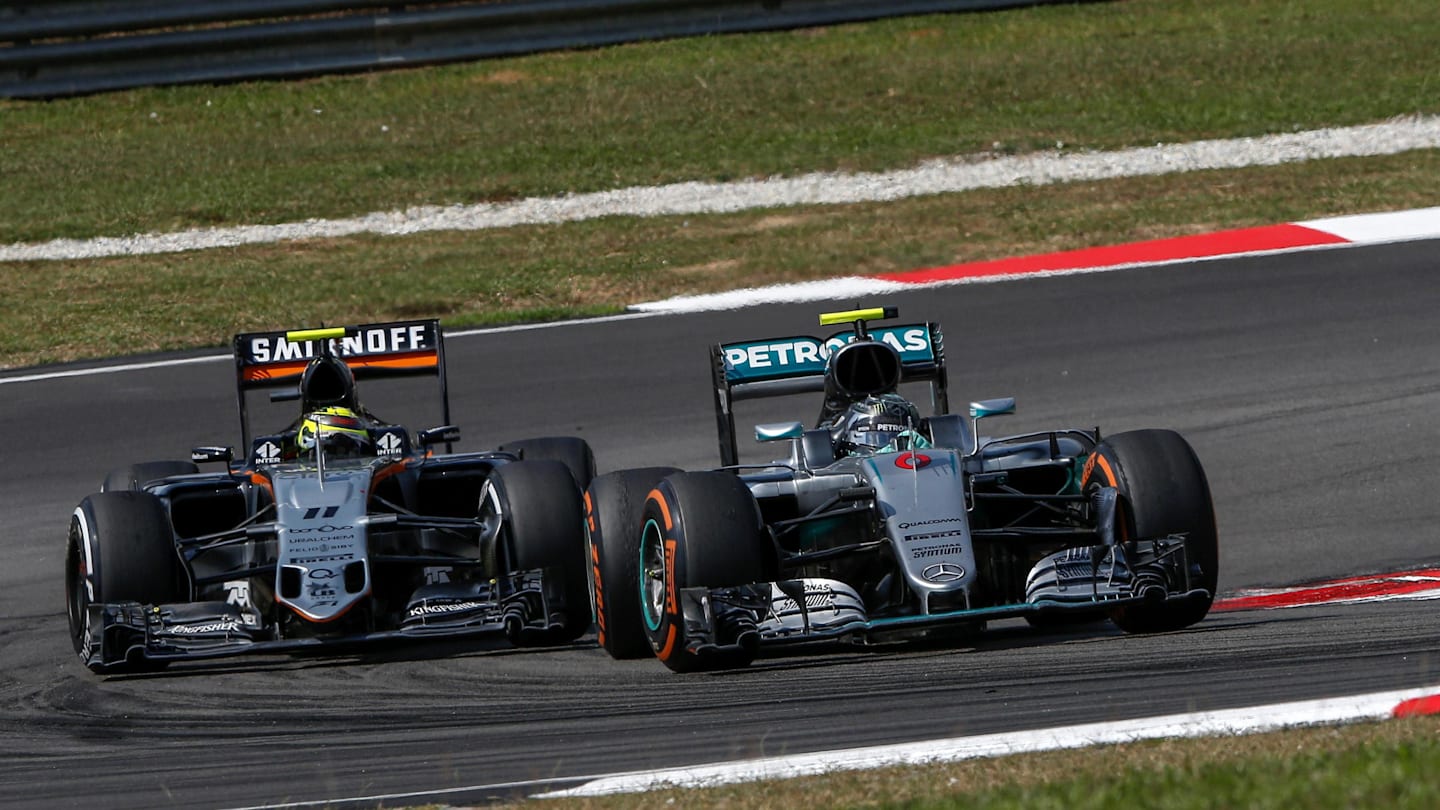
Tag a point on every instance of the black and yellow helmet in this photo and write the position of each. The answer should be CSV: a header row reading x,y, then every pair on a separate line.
x,y
339,431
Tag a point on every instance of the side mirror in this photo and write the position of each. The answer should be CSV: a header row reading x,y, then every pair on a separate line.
x,y
285,394
778,431
204,455
988,407
438,435
992,407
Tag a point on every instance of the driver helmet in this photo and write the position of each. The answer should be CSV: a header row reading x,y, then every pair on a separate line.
x,y
340,431
886,423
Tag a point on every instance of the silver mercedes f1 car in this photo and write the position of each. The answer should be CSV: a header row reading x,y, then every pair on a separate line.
x,y
341,528
878,524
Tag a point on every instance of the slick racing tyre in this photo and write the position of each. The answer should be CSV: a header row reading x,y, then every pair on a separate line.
x,y
1163,491
120,549
613,505
136,476
699,529
574,453
543,528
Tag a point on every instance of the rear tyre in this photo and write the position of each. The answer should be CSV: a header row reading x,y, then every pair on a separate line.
x,y
574,453
613,506
699,529
136,476
120,549
543,528
1163,491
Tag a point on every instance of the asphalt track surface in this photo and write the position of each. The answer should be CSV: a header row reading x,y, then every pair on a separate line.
x,y
1309,384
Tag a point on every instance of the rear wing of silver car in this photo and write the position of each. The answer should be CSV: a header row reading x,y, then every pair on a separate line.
x,y
277,360
799,364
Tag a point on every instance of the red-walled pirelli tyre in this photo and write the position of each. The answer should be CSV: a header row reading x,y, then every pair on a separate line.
x,y
543,529
120,549
613,506
699,529
1163,491
137,476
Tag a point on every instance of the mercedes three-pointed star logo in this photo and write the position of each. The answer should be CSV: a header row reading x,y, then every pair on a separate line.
x,y
943,572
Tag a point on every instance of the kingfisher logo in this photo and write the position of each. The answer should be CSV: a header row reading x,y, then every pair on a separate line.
x,y
225,625
912,461
441,607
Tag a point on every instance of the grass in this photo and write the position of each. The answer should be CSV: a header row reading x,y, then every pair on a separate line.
x,y
872,96
886,94
71,309
1389,764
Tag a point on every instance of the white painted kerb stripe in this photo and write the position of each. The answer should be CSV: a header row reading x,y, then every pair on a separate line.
x,y
1397,226
93,372
860,287
1203,724
1394,226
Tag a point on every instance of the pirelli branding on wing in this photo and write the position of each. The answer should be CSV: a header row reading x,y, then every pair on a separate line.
x,y
802,355
390,338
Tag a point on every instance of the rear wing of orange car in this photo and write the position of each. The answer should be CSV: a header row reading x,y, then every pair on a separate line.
x,y
276,360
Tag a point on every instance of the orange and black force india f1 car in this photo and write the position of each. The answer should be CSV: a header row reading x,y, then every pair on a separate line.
x,y
339,528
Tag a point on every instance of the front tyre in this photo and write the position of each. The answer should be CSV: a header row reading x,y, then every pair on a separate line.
x,y
543,529
613,506
120,548
698,530
1163,491
136,476
574,453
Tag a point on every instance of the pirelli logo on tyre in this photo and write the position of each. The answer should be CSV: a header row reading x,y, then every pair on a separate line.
x,y
672,599
599,590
